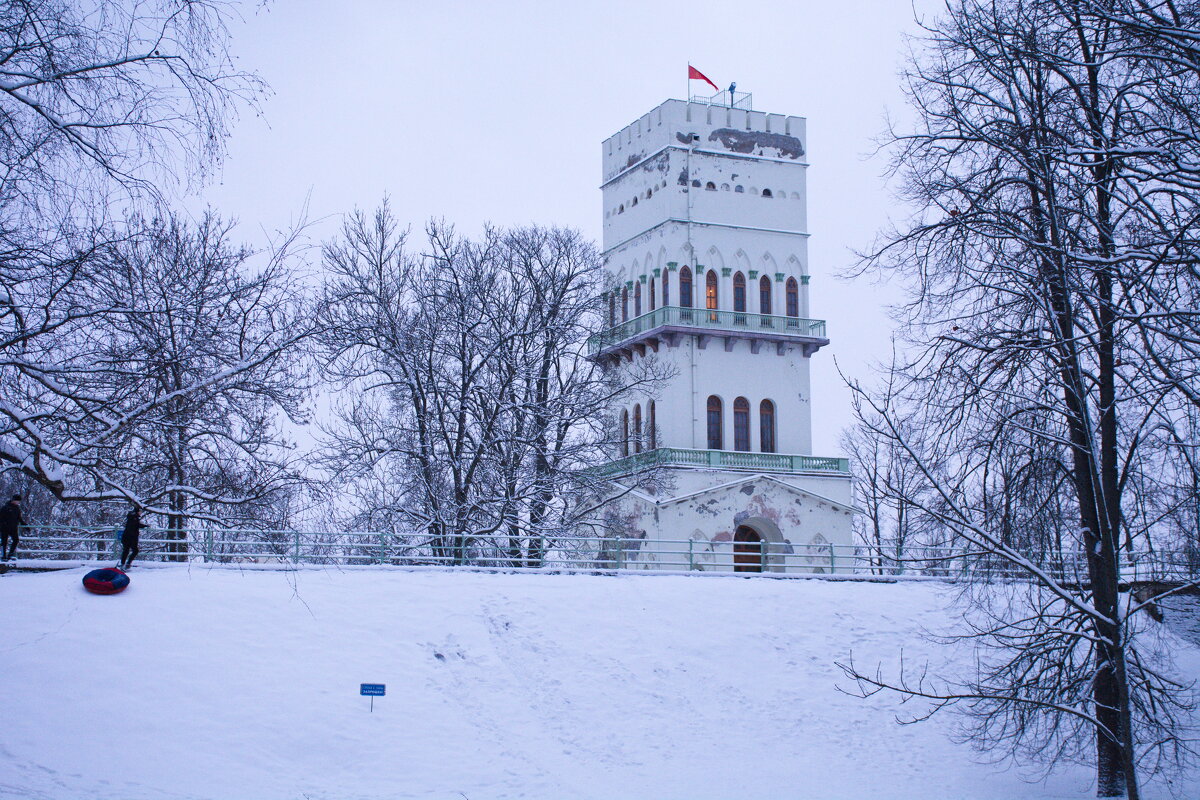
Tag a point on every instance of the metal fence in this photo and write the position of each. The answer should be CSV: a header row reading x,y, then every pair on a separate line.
x,y
285,548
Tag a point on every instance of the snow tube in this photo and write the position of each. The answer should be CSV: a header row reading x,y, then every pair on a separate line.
x,y
105,581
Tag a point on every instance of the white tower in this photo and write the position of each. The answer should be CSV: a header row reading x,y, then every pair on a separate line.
x,y
706,240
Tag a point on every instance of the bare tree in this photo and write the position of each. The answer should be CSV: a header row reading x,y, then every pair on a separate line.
x,y
206,352
1052,259
473,413
113,96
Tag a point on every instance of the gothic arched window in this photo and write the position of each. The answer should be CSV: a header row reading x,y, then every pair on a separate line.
x,y
624,305
666,288
624,432
650,295
716,438
741,425
612,309
637,428
793,298
651,427
710,290
685,287
637,299
710,187
739,291
766,419
766,193
764,295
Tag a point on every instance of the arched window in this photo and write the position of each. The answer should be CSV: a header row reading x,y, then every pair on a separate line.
x,y
650,295
739,291
766,421
651,427
612,309
710,187
766,193
685,287
637,299
666,288
710,290
764,295
793,298
624,305
739,189
637,427
624,433
716,438
741,425
696,184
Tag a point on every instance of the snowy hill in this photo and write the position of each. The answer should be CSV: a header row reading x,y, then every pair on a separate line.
x,y
199,683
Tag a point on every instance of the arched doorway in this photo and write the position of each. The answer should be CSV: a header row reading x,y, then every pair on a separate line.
x,y
747,550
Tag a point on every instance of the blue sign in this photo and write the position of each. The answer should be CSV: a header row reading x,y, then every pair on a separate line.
x,y
373,689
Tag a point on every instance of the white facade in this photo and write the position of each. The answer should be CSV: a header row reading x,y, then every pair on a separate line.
x,y
717,196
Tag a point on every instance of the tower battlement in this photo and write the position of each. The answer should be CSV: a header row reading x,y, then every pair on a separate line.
x,y
721,131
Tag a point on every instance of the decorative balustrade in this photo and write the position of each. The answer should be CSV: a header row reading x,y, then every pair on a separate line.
x,y
725,459
703,319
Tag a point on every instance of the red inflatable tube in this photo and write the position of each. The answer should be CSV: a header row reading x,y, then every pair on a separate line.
x,y
105,581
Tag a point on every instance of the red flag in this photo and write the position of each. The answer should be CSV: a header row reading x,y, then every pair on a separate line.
x,y
696,75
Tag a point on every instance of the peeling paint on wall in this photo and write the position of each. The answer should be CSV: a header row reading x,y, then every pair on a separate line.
x,y
683,177
633,159
758,142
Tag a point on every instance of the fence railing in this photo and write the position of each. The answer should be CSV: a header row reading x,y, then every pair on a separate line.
x,y
709,319
282,548
725,459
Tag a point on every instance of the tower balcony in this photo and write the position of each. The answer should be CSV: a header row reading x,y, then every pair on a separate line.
x,y
725,460
668,323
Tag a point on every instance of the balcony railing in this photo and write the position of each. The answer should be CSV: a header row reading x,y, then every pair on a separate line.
x,y
725,459
707,319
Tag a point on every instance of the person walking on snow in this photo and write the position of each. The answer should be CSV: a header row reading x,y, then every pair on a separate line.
x,y
129,538
10,525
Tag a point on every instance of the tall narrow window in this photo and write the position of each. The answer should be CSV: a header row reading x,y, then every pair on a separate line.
x,y
741,425
666,288
710,290
637,299
685,287
651,427
612,309
793,298
624,433
650,295
739,291
764,295
766,419
716,438
637,427
624,305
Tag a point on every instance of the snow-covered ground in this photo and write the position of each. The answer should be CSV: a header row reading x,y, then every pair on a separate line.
x,y
199,683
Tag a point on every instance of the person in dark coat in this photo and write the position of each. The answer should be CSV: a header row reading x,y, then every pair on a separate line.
x,y
129,537
10,525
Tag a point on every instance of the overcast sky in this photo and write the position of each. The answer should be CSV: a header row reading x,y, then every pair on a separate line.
x,y
495,112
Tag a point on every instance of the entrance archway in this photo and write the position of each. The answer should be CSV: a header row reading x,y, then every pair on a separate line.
x,y
747,550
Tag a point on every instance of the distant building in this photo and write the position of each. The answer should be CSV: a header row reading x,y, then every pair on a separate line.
x,y
706,240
